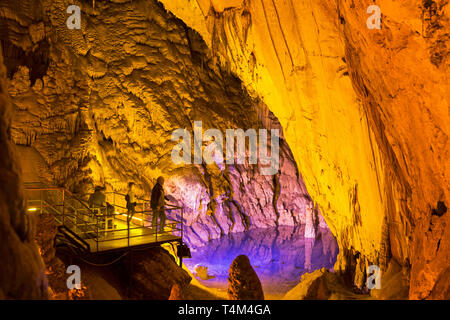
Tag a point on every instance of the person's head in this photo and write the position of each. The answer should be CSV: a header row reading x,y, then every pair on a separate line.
x,y
130,186
160,180
98,188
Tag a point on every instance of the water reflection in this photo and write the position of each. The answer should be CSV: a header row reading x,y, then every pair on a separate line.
x,y
279,256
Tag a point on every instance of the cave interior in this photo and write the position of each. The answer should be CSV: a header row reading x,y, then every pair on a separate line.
x,y
303,147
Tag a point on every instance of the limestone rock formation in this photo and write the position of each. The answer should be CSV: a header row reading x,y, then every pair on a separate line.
x,y
22,271
309,223
394,283
320,285
105,100
98,287
45,235
94,284
365,112
55,269
176,293
154,273
243,282
441,289
201,272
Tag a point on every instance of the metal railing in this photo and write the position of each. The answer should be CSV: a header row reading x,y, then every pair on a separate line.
x,y
100,226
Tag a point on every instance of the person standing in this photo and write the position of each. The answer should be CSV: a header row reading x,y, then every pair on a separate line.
x,y
157,203
131,203
97,200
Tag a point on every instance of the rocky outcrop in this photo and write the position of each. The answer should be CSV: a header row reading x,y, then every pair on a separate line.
x,y
95,283
243,282
154,273
45,235
324,285
320,285
441,289
365,112
394,283
22,273
176,293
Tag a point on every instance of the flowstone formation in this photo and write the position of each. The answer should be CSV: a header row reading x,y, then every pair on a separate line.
x,y
103,110
372,105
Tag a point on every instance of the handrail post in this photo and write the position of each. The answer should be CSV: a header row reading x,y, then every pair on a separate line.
x,y
182,222
40,196
181,256
96,236
63,202
128,228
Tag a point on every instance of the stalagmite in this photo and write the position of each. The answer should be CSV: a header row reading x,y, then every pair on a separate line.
x,y
310,236
243,282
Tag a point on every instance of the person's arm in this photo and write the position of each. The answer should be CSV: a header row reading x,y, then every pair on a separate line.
x,y
161,199
103,199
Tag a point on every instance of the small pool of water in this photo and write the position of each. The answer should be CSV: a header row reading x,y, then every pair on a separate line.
x,y
278,255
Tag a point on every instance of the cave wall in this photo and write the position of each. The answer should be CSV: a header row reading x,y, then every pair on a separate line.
x,y
103,111
22,271
364,111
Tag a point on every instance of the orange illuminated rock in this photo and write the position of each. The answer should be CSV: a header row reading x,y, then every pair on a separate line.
x,y
105,116
22,273
176,293
321,285
154,273
365,112
243,282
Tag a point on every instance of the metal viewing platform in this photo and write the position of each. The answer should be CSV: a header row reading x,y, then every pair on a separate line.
x,y
96,230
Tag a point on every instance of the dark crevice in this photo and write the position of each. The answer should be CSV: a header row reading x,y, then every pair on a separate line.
x,y
440,209
37,60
